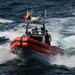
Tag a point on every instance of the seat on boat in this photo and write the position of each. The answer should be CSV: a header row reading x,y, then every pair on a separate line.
x,y
37,37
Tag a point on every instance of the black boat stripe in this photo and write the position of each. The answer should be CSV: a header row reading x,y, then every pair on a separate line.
x,y
21,41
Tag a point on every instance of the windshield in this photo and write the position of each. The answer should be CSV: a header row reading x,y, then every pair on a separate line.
x,y
35,28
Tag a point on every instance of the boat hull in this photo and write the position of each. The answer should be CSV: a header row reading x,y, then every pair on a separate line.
x,y
29,49
28,43
27,55
23,52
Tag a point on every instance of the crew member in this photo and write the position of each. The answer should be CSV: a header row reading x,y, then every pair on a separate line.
x,y
33,31
42,30
36,31
47,37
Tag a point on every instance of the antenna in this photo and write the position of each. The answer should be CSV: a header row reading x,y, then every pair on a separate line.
x,y
32,11
45,14
27,11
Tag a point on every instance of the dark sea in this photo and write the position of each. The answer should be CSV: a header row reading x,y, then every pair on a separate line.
x,y
60,22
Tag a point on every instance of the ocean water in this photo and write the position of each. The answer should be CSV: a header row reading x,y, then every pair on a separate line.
x,y
60,23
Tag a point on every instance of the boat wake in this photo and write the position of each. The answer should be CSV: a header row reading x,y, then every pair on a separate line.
x,y
67,43
6,55
68,59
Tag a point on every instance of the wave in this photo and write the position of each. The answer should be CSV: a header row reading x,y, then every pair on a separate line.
x,y
11,34
64,60
5,54
68,59
5,21
68,42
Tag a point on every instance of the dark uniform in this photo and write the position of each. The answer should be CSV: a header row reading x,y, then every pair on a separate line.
x,y
47,38
42,30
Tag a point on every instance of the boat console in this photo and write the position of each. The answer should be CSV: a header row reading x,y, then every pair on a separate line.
x,y
36,34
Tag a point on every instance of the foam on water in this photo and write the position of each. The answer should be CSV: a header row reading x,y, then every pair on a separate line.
x,y
5,53
65,42
68,61
17,31
68,42
55,38
54,29
5,21
64,60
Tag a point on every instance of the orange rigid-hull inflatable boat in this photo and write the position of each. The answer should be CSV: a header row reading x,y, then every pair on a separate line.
x,y
36,40
27,42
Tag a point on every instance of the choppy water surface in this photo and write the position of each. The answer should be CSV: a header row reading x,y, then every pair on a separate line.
x,y
60,23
